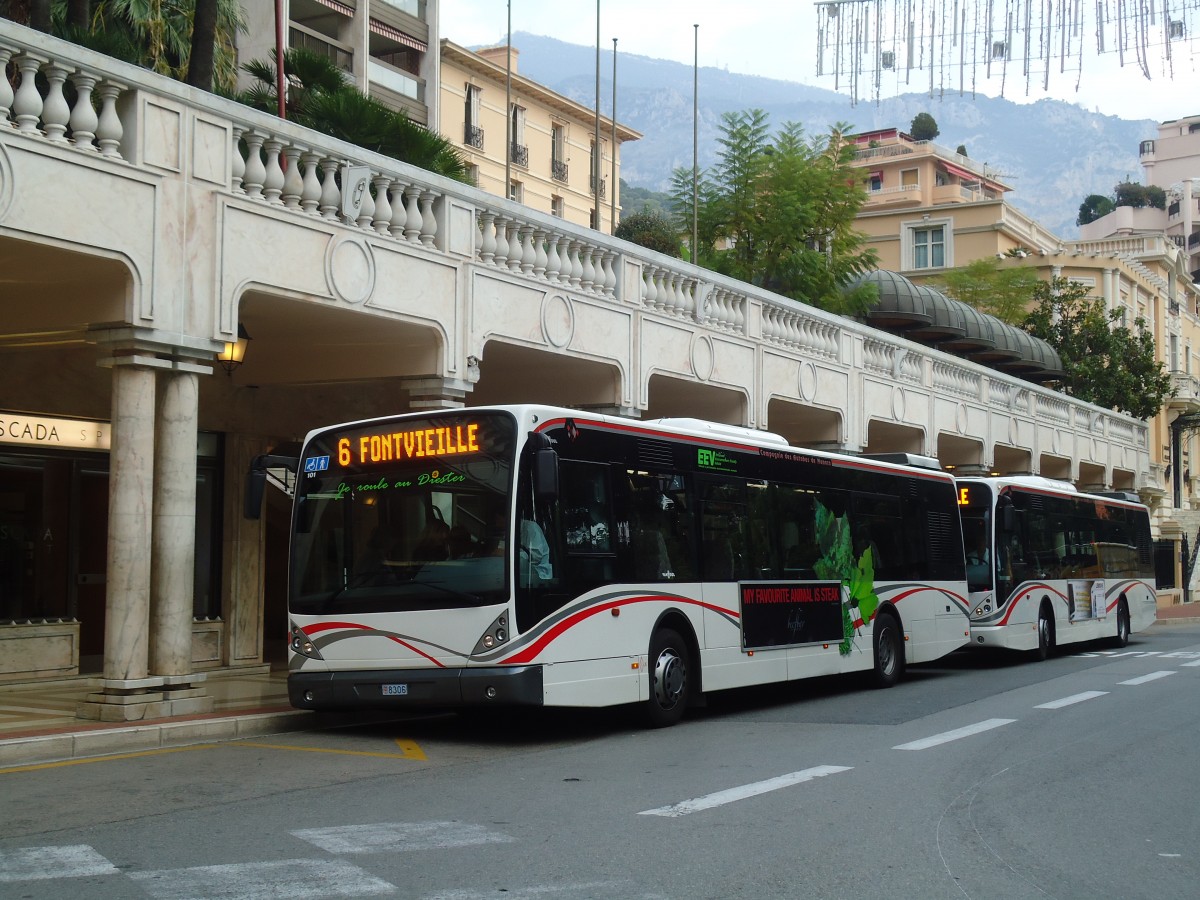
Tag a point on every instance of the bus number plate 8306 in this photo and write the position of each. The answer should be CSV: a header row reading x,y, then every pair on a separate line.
x,y
395,690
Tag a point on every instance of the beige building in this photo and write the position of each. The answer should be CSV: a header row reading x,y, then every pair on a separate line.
x,y
551,160
930,209
388,48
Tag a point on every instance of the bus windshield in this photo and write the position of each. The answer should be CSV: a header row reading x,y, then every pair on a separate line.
x,y
400,515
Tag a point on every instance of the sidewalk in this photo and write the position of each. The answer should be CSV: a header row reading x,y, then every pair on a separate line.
x,y
38,723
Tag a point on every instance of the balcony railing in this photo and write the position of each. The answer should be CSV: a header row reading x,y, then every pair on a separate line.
x,y
473,136
519,154
603,187
340,55
558,170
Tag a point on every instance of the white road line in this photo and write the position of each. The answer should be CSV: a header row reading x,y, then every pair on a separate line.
x,y
42,863
291,878
1191,665
1126,653
1142,679
1074,698
947,736
395,837
720,798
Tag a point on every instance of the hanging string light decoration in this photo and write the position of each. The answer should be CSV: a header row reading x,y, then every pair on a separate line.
x,y
885,47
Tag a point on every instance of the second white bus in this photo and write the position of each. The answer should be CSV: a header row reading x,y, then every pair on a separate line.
x,y
1048,565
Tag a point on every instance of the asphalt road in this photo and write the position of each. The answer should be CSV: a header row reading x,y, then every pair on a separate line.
x,y
977,777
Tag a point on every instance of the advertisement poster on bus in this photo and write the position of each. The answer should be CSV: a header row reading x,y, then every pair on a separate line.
x,y
789,613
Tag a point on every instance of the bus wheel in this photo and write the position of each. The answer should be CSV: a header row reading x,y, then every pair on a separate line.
x,y
669,679
889,650
1045,631
1122,637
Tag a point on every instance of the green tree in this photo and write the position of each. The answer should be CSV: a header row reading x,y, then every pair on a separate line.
x,y
1106,362
1130,193
923,127
320,98
652,230
1094,207
780,212
1003,292
160,31
961,150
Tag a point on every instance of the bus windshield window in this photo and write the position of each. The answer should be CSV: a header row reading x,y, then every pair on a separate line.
x,y
394,516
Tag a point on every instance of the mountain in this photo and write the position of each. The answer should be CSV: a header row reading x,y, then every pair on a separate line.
x,y
1053,154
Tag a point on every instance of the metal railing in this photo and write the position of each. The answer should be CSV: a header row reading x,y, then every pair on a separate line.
x,y
473,136
519,154
558,170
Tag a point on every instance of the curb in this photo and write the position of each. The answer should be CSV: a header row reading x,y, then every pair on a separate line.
x,y
67,746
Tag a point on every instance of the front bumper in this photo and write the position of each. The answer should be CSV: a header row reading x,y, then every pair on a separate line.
x,y
423,688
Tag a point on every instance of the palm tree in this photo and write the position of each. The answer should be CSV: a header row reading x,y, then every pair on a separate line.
x,y
320,97
157,34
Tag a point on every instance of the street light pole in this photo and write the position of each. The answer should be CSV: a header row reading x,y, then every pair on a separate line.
x,y
612,216
695,141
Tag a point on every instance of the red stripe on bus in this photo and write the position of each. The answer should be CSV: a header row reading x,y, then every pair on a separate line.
x,y
530,652
713,441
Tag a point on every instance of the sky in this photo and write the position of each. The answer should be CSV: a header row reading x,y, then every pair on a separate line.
x,y
778,39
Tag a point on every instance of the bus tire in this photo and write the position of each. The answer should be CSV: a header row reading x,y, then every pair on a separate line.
x,y
670,679
1122,637
1045,633
889,650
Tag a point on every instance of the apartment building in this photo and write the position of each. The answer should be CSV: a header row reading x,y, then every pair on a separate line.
x,y
388,48
930,209
551,158
1172,162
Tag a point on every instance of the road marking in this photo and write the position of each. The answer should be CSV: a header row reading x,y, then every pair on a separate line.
x,y
262,880
101,759
392,837
561,889
1126,653
1191,665
409,750
1142,679
947,736
44,863
720,798
1074,698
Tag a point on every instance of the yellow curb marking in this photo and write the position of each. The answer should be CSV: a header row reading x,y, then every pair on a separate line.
x,y
98,759
409,748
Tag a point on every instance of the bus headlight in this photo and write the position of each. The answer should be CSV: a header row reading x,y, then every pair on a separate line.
x,y
300,644
495,635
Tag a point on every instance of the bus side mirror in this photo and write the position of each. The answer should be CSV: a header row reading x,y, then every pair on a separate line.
x,y
256,483
1008,517
545,469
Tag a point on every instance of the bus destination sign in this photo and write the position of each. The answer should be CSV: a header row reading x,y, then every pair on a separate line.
x,y
388,445
789,613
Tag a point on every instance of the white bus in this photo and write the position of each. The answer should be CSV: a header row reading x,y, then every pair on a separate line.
x,y
529,555
1048,565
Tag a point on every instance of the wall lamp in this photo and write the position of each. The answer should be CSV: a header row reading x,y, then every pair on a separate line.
x,y
235,351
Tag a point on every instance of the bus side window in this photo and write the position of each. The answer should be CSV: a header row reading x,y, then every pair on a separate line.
x,y
589,538
660,528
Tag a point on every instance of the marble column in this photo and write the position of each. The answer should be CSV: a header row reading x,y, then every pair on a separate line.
x,y
129,691
173,550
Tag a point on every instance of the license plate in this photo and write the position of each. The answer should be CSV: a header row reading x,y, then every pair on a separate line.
x,y
395,690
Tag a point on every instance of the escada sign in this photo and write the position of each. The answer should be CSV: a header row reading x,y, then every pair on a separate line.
x,y
66,434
